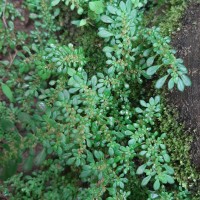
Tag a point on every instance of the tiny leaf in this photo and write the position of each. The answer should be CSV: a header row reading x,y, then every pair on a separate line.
x,y
111,151
186,80
141,169
180,85
166,158
106,19
96,6
161,82
152,70
170,84
55,2
104,34
146,180
150,61
156,185
7,91
40,157
170,179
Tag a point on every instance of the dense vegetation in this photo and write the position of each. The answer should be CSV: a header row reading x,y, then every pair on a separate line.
x,y
83,112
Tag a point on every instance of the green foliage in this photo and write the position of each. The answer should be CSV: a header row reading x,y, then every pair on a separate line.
x,y
78,4
155,49
8,38
7,91
96,6
77,124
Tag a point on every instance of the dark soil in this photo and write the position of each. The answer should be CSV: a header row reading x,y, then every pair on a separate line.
x,y
187,43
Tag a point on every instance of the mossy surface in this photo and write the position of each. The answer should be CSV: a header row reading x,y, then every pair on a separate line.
x,y
167,15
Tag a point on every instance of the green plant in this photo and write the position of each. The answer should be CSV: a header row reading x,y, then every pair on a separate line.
x,y
9,39
78,4
85,133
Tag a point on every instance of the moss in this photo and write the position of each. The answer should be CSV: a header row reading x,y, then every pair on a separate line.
x,y
92,44
178,144
87,38
166,15
173,17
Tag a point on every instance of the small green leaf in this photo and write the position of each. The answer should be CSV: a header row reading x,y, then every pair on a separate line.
x,y
156,185
151,101
97,154
161,82
170,179
146,52
70,161
111,70
111,151
152,70
55,2
52,82
130,127
131,142
40,157
162,146
182,68
171,84
111,121
122,5
127,132
106,19
28,164
141,169
150,61
34,47
142,153
33,16
180,85
163,178
157,99
143,103
169,169
108,49
186,80
83,22
96,6
73,90
79,23
77,79
71,71
80,11
26,49
146,180
166,158
104,34
7,91
138,110
94,81
85,173
111,9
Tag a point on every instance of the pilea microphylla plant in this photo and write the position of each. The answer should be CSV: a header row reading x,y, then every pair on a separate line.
x,y
70,132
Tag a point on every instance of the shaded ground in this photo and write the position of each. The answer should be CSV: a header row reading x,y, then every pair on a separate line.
x,y
187,43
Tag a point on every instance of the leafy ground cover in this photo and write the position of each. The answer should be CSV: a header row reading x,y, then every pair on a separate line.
x,y
83,112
